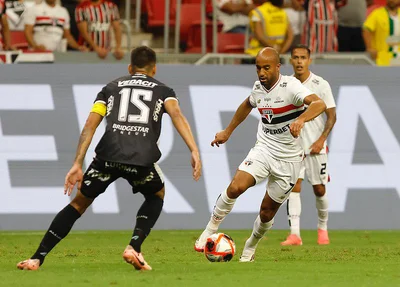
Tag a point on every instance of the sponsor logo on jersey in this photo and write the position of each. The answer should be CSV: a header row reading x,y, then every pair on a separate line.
x,y
248,162
120,166
276,131
136,82
283,85
278,100
157,109
130,129
315,81
110,104
98,27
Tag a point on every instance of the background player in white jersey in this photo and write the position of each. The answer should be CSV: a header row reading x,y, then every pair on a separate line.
x,y
313,137
277,155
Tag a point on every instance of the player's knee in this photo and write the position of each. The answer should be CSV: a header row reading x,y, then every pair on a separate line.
x,y
235,189
319,190
81,202
266,215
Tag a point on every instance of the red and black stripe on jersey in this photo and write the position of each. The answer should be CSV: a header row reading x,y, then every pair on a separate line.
x,y
99,16
273,116
44,21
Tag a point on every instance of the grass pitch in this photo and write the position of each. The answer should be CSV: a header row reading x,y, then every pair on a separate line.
x,y
354,258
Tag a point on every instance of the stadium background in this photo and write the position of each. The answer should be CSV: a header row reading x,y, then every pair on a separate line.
x,y
44,107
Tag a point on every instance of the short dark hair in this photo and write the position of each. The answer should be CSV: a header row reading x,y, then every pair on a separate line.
x,y
143,57
300,46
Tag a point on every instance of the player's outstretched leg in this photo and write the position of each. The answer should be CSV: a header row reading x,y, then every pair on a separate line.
x,y
146,218
262,224
294,212
321,202
224,204
59,228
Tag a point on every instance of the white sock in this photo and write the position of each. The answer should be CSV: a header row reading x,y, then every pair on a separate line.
x,y
322,207
259,230
222,208
294,212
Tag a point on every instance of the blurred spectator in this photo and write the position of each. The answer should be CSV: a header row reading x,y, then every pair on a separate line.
x,y
382,33
71,5
94,19
297,17
46,24
5,38
351,19
270,27
321,25
234,14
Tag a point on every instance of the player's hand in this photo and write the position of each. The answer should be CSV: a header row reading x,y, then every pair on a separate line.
x,y
196,165
220,138
74,176
373,53
316,147
83,49
39,48
101,52
295,127
118,54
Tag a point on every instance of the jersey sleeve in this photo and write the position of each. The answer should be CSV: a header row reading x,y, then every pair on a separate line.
x,y
252,97
255,15
169,94
298,92
29,16
370,23
100,103
327,96
67,20
115,13
80,14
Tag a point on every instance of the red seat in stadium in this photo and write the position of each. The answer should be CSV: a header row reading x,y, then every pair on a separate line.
x,y
231,43
18,40
155,10
190,29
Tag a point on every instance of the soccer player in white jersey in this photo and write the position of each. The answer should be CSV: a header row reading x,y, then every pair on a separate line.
x,y
313,137
277,154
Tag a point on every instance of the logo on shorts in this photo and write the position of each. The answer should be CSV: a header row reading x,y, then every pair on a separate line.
x,y
268,114
248,162
87,182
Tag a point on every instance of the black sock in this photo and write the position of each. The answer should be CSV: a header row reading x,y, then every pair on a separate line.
x,y
58,229
145,219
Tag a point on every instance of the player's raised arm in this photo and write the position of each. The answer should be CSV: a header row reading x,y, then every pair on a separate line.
x,y
240,115
182,126
316,106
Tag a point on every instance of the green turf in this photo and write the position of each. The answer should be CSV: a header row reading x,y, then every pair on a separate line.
x,y
354,258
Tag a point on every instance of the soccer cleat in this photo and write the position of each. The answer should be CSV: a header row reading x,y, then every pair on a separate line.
x,y
135,258
29,264
247,255
323,238
292,239
201,241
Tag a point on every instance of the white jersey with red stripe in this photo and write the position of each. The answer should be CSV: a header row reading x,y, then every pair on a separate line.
x,y
279,107
48,23
313,129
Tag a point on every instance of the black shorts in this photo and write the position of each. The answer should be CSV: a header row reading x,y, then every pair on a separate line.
x,y
100,174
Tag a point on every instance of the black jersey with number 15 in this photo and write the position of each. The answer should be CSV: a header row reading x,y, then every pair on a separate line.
x,y
135,105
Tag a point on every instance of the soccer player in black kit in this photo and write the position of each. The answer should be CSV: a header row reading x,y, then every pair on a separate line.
x,y
133,106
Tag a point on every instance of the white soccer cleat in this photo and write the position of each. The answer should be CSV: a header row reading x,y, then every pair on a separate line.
x,y
247,256
201,241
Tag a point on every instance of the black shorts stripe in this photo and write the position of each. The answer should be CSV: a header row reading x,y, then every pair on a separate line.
x,y
282,119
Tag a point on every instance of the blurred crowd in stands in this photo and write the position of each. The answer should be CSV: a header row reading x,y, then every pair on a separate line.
x,y
244,26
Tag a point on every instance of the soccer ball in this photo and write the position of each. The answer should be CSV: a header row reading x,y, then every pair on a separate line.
x,y
219,248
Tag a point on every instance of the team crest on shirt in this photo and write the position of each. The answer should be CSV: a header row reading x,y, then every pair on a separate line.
x,y
268,114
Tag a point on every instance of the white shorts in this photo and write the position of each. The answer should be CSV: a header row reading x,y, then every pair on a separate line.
x,y
282,175
316,169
